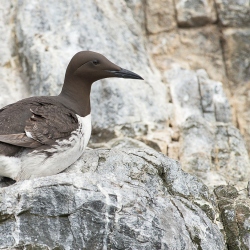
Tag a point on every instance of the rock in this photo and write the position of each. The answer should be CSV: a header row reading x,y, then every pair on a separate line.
x,y
236,48
195,13
210,146
217,154
11,85
173,150
194,94
198,48
233,13
160,16
159,140
138,9
119,143
111,199
235,214
241,101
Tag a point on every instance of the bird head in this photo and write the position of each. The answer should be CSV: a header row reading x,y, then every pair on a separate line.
x,y
92,66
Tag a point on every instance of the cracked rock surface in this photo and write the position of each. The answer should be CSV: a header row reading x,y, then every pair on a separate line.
x,y
110,199
235,215
210,146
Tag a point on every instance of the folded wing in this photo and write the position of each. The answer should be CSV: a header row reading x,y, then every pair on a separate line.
x,y
32,123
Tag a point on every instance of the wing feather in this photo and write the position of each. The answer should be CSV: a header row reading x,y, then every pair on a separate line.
x,y
34,122
21,140
49,123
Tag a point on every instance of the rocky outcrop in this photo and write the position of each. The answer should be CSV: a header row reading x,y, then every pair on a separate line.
x,y
195,13
234,209
111,199
210,146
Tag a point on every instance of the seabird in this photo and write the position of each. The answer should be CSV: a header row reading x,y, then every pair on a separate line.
x,y
41,136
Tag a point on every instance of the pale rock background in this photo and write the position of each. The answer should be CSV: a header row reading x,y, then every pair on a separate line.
x,y
193,105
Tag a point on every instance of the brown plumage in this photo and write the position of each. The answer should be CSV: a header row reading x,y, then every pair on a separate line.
x,y
45,118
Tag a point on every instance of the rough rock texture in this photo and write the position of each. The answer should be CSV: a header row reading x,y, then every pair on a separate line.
x,y
111,199
210,145
216,153
198,48
193,93
160,15
233,13
236,51
11,85
242,104
195,13
235,215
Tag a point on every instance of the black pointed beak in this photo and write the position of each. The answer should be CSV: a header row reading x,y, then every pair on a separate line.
x,y
123,73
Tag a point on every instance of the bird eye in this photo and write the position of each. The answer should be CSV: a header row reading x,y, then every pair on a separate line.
x,y
95,62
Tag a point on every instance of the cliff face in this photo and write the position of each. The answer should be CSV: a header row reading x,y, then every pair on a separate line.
x,y
193,105
111,199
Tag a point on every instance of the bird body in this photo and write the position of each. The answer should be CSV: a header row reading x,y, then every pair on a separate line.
x,y
41,136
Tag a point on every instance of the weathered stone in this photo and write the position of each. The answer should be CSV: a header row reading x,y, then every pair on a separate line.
x,y
158,140
233,13
210,146
173,150
236,49
119,143
196,152
11,86
197,139
111,199
138,9
217,154
160,15
241,100
235,215
194,94
193,13
214,102
198,48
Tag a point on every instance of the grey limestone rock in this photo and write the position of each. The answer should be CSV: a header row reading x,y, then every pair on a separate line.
x,y
11,83
210,146
110,199
195,94
233,13
195,13
234,209
236,48
192,48
160,16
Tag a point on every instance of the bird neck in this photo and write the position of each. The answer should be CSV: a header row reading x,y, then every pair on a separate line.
x,y
75,94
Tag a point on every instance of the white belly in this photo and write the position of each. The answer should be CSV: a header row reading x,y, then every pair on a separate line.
x,y
37,163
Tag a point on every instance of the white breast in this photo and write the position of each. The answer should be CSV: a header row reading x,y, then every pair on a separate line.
x,y
86,125
37,163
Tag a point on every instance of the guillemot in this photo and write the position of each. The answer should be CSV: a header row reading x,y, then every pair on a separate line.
x,y
41,136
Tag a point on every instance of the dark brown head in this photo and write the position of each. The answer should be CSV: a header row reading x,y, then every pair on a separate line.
x,y
85,68
91,66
